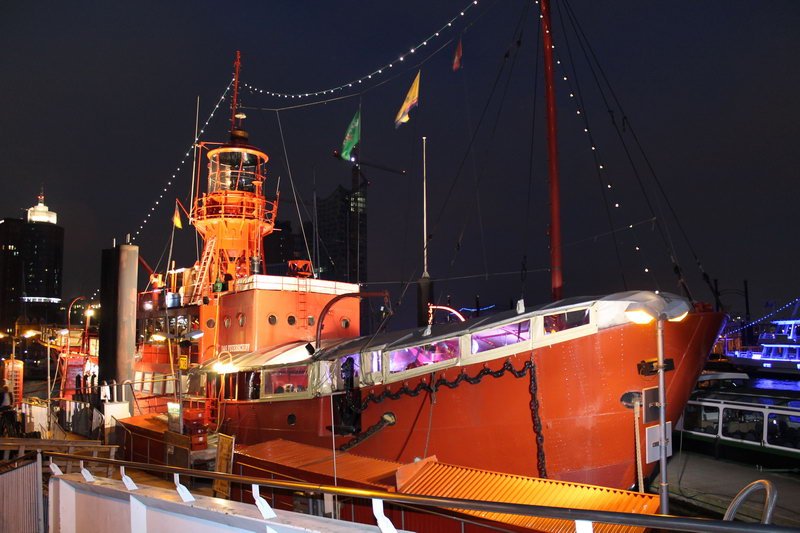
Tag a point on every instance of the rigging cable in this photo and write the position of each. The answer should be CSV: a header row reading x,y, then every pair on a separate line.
x,y
291,182
518,31
585,115
662,230
378,71
527,224
457,175
135,235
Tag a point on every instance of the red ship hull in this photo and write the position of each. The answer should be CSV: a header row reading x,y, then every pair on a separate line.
x,y
587,433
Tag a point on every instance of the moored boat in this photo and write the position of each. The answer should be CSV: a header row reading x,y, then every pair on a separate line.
x,y
727,414
544,390
778,350
551,390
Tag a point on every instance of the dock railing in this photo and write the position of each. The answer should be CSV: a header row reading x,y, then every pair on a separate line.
x,y
581,517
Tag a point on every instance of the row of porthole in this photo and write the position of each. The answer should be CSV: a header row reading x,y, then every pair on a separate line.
x,y
271,319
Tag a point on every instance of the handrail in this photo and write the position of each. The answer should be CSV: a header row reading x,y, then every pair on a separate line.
x,y
770,500
666,522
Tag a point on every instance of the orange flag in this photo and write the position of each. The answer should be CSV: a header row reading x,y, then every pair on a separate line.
x,y
457,57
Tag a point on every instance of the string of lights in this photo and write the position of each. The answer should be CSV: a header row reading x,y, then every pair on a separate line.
x,y
763,318
172,178
383,69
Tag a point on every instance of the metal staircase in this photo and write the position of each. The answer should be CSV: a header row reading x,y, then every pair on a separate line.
x,y
202,275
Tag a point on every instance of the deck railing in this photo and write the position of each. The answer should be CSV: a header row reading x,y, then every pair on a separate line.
x,y
583,518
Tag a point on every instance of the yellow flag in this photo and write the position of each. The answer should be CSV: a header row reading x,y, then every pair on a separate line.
x,y
410,102
176,218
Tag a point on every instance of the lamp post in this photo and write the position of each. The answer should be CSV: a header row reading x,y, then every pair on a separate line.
x,y
660,309
50,340
16,338
89,313
16,374
69,320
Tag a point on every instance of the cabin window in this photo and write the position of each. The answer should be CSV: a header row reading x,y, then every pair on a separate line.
x,y
310,320
372,364
272,319
742,424
226,321
242,319
502,336
701,419
567,320
285,380
345,323
783,430
419,356
210,323
291,320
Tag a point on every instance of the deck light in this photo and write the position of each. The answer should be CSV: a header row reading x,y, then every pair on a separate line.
x,y
660,309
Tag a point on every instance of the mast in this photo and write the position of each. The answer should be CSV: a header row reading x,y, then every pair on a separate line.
x,y
556,270
237,65
232,216
425,284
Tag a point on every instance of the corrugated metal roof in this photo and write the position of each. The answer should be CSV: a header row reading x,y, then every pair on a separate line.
x,y
350,467
431,478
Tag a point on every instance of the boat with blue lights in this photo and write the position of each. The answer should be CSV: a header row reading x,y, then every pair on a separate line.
x,y
778,350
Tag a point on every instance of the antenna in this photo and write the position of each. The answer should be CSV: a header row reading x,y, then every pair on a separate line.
x,y
425,284
424,207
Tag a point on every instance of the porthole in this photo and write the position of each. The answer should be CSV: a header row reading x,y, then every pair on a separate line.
x,y
242,319
226,321
291,419
272,319
291,320
310,320
345,323
210,323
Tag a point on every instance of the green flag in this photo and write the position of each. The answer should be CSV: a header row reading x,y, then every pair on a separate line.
x,y
352,136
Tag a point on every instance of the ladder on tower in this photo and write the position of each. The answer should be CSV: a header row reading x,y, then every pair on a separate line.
x,y
202,275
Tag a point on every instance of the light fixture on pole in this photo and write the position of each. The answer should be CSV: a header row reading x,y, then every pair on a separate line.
x,y
69,320
50,340
661,309
16,338
89,314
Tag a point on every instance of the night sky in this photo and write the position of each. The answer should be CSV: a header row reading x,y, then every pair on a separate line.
x,y
98,105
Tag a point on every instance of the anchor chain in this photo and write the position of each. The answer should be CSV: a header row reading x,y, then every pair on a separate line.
x,y
422,386
537,425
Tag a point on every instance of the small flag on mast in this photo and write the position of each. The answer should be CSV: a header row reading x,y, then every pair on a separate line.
x,y
176,218
352,136
457,57
410,103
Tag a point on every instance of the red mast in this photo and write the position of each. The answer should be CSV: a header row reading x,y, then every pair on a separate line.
x,y
237,65
556,279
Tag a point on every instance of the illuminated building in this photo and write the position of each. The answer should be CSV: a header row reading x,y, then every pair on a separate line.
x,y
31,259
